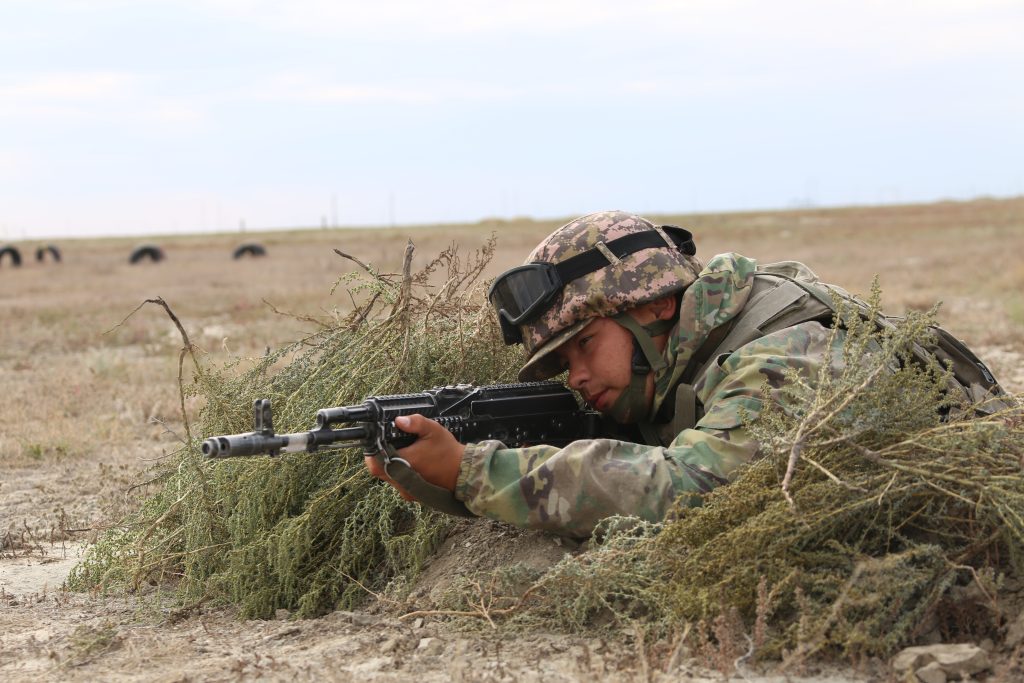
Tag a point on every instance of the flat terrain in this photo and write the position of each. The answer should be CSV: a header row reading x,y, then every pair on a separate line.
x,y
91,399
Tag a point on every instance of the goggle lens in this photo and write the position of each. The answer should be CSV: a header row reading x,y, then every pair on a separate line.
x,y
519,292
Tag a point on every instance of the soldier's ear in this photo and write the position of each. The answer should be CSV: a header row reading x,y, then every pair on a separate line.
x,y
665,307
659,309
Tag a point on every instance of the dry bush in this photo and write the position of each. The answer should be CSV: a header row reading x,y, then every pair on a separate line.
x,y
308,532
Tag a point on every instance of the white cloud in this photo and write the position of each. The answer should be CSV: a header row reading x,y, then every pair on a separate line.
x,y
91,96
13,164
314,87
909,25
439,18
66,86
725,44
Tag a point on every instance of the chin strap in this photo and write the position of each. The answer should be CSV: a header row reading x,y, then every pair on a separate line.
x,y
632,406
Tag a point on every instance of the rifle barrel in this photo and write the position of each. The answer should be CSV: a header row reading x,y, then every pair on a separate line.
x,y
257,443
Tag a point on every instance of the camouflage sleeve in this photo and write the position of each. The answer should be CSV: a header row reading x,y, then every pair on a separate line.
x,y
569,490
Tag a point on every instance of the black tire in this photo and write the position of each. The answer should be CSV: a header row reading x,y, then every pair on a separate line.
x,y
146,251
14,253
50,249
251,249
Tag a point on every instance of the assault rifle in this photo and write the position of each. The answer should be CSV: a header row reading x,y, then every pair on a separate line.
x,y
516,414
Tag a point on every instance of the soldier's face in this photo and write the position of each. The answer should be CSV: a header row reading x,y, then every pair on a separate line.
x,y
600,357
599,362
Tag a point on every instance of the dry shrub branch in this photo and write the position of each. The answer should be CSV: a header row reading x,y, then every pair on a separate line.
x,y
307,532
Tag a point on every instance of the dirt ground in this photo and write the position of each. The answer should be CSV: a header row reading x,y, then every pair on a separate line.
x,y
91,401
51,634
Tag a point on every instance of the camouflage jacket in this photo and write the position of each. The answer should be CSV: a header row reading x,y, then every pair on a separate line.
x,y
569,490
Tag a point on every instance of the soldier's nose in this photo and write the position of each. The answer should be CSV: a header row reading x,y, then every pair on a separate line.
x,y
578,376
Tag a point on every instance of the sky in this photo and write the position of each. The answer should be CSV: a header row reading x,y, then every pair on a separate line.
x,y
125,117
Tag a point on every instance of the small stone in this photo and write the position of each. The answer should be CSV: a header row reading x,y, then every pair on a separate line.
x,y
389,645
962,660
282,614
957,660
932,673
430,646
912,658
418,623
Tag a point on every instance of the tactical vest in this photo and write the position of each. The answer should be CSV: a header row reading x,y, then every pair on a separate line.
x,y
788,293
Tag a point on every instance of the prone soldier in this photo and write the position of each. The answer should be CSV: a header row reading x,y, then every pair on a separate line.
x,y
676,350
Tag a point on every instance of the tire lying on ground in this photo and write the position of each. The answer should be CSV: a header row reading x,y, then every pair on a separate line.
x,y
14,254
251,249
146,251
50,249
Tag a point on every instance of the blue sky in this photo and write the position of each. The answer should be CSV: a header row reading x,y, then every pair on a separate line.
x,y
132,117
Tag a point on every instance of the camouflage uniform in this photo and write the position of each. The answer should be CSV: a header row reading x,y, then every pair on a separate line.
x,y
569,490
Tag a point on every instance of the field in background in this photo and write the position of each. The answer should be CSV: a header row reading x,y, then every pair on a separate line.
x,y
90,398
84,389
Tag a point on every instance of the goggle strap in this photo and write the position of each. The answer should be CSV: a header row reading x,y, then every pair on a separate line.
x,y
594,259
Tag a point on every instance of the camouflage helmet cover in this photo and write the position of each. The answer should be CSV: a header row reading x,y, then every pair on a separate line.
x,y
625,283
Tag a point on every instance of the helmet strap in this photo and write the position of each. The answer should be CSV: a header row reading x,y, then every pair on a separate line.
x,y
632,406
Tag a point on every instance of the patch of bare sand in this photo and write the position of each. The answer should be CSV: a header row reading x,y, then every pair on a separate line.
x,y
39,570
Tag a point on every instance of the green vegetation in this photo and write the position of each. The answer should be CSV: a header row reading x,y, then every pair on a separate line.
x,y
852,535
304,532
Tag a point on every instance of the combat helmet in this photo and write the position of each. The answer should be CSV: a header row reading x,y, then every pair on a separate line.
x,y
599,265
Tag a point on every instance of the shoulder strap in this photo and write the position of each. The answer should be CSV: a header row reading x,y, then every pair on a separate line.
x,y
776,301
787,294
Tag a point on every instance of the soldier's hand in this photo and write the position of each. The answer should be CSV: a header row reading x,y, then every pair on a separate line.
x,y
436,455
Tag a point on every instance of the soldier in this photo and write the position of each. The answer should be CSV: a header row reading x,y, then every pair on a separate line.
x,y
653,339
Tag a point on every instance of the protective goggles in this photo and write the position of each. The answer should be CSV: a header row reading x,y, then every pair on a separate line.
x,y
524,293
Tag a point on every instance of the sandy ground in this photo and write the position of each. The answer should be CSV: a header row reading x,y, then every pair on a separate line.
x,y
50,634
